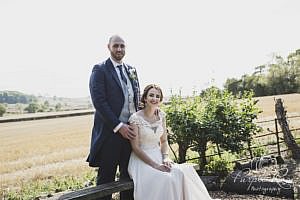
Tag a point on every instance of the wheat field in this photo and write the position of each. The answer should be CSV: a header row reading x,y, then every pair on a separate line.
x,y
291,103
42,149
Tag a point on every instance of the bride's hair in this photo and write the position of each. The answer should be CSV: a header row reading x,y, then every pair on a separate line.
x,y
145,93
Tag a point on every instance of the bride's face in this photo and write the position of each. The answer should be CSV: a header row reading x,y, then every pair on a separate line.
x,y
153,98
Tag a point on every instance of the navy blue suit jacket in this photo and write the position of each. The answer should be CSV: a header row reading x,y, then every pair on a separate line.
x,y
108,99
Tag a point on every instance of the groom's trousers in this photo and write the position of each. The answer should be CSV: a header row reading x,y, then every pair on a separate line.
x,y
115,153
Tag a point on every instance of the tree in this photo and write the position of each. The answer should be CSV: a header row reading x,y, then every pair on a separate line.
x,y
226,120
32,108
282,76
233,85
45,106
180,117
2,110
259,69
58,107
215,117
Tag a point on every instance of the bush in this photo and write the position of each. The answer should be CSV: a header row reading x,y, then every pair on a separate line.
x,y
2,110
221,166
32,108
260,151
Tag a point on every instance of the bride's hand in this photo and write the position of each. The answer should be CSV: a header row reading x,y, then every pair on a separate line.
x,y
168,162
163,168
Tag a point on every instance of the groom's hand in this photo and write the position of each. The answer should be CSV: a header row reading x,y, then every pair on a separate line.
x,y
127,132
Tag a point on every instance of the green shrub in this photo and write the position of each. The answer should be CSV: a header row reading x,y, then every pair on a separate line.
x,y
221,166
2,110
259,150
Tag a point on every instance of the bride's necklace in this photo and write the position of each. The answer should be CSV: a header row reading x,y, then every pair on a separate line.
x,y
151,119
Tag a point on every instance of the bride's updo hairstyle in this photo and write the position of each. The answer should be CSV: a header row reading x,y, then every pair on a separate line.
x,y
145,93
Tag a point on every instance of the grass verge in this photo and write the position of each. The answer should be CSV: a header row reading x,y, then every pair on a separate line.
x,y
47,187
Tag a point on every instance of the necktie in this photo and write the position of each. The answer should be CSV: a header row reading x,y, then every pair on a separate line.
x,y
121,73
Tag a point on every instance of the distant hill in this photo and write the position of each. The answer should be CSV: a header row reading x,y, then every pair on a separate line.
x,y
13,97
67,103
15,102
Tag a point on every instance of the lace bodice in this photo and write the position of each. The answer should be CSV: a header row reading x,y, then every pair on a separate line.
x,y
149,133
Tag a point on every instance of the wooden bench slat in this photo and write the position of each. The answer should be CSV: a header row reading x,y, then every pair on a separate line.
x,y
98,191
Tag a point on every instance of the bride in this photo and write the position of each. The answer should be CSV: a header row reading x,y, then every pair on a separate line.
x,y
154,175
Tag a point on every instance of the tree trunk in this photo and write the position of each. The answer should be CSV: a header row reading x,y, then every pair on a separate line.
x,y
182,149
287,135
201,151
259,162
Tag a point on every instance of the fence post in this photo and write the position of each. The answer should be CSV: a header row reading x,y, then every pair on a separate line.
x,y
287,135
277,137
218,148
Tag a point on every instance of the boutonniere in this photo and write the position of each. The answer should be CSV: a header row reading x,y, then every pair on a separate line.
x,y
132,74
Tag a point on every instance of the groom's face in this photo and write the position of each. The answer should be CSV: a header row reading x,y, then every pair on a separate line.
x,y
117,48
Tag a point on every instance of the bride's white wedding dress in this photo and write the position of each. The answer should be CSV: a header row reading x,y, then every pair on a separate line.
x,y
182,183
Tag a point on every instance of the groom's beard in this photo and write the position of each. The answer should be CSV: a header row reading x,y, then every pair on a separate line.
x,y
118,56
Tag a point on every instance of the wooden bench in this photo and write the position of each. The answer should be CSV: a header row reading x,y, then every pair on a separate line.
x,y
97,191
91,193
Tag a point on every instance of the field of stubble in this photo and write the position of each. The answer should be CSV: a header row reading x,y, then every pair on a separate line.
x,y
42,149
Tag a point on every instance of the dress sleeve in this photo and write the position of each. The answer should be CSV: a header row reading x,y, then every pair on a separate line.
x,y
134,119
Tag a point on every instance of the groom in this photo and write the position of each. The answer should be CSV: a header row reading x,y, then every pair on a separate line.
x,y
115,94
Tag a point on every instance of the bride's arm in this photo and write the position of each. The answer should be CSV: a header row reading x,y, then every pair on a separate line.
x,y
141,154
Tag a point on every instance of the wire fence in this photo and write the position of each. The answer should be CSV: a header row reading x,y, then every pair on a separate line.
x,y
274,142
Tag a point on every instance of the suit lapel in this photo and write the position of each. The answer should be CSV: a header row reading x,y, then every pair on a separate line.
x,y
128,75
111,67
134,85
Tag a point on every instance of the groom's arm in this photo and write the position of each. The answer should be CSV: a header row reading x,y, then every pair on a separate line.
x,y
98,95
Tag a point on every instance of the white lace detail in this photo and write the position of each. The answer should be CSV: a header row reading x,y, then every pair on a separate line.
x,y
149,133
140,121
134,119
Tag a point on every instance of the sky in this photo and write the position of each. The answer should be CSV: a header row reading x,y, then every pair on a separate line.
x,y
48,47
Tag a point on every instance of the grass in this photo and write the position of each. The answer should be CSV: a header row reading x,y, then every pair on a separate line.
x,y
46,187
45,156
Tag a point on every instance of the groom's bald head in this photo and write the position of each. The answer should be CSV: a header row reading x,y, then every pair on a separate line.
x,y
116,46
115,38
